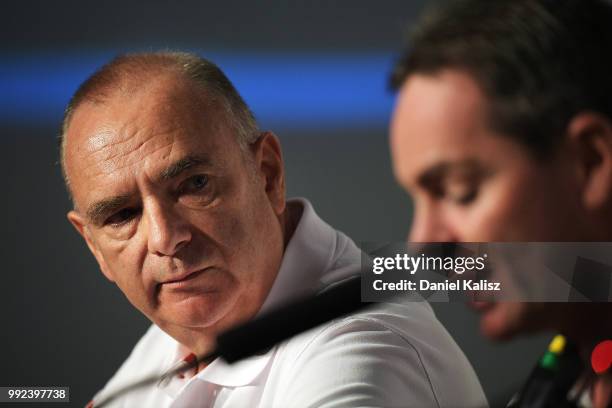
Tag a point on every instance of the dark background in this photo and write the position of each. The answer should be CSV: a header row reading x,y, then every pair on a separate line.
x,y
62,323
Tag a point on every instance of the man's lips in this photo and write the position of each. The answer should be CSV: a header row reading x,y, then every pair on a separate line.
x,y
182,280
481,306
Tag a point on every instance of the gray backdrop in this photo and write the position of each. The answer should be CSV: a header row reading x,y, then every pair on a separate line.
x,y
62,322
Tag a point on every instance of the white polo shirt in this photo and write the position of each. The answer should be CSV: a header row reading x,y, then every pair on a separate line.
x,y
393,355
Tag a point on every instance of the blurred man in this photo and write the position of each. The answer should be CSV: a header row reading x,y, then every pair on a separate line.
x,y
503,132
182,202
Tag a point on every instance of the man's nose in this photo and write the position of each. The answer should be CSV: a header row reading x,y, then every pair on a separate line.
x,y
429,225
168,232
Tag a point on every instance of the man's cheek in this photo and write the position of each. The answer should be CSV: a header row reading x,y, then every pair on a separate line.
x,y
230,232
496,216
479,223
129,273
139,295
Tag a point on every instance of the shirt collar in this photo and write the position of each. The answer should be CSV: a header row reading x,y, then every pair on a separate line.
x,y
308,255
238,374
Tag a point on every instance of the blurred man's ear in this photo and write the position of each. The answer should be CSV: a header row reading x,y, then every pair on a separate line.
x,y
269,162
80,225
591,136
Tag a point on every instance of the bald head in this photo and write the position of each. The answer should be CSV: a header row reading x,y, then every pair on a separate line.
x,y
129,74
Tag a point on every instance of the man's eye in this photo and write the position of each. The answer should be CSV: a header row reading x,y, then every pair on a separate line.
x,y
467,197
462,196
121,216
194,184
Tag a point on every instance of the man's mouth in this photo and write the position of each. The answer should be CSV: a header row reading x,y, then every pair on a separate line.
x,y
182,280
481,306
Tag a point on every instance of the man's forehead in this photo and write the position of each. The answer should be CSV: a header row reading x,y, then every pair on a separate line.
x,y
152,127
447,102
157,107
438,119
167,100
113,128
418,156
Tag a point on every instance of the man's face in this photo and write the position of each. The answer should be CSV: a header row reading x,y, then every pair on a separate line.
x,y
176,213
470,184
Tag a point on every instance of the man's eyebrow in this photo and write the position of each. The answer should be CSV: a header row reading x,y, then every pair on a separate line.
x,y
181,165
438,171
99,210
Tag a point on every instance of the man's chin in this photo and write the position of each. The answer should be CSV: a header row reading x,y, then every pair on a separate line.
x,y
503,321
196,312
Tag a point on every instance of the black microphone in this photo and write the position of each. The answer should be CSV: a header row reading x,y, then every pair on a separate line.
x,y
550,382
263,332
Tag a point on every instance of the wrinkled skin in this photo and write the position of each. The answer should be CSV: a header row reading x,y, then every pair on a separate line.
x,y
187,223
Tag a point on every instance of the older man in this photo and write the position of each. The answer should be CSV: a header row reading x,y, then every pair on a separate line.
x,y
182,202
503,132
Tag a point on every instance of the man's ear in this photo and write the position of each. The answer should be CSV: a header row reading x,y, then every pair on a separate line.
x,y
591,135
269,162
80,225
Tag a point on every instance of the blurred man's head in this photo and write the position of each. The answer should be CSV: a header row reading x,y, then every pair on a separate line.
x,y
502,129
177,194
